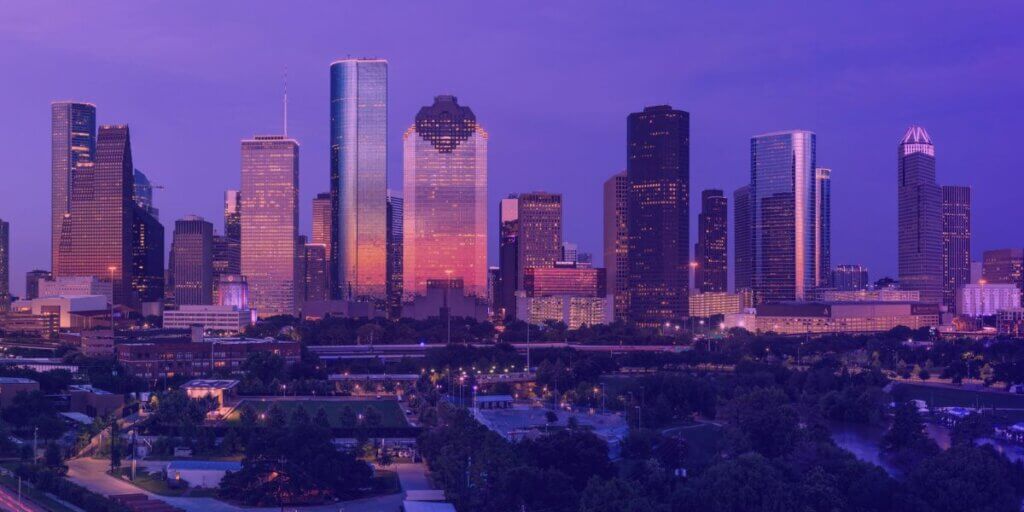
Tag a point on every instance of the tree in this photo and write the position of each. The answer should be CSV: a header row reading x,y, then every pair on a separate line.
x,y
53,457
968,429
764,421
372,417
617,495
265,366
348,417
906,441
746,483
968,479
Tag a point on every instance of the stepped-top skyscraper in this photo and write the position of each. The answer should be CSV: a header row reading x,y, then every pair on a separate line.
x,y
783,184
956,241
445,188
359,166
658,170
920,216
270,223
711,251
72,141
96,238
147,245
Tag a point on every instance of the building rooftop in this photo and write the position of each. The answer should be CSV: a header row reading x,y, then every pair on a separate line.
x,y
16,380
210,384
225,465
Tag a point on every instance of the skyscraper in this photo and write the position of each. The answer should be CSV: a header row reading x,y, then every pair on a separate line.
x,y
539,242
233,214
658,170
508,258
920,216
359,166
616,241
711,251
227,257
72,141
315,267
32,278
743,236
956,241
193,261
147,243
5,266
783,185
270,223
97,237
322,219
823,227
445,187
396,234
1003,266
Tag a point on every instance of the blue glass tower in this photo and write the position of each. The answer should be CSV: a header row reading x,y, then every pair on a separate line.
x,y
359,164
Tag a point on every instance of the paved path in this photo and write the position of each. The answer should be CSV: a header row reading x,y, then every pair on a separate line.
x,y
91,474
413,476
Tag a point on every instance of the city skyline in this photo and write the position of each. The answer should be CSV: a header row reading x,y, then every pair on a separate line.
x,y
718,132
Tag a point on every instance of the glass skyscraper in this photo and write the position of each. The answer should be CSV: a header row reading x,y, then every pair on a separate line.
x,y
616,241
743,238
233,214
193,261
956,241
270,223
920,216
823,227
396,235
445,189
539,242
658,170
783,184
711,251
72,141
359,167
508,257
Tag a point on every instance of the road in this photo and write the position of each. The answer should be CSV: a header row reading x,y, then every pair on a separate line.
x,y
91,474
9,501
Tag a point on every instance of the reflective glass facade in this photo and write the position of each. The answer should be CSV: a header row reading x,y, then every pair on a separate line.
x,y
920,216
445,189
233,214
359,166
508,257
823,227
743,239
396,235
193,261
712,251
72,140
783,186
616,241
956,242
270,223
658,169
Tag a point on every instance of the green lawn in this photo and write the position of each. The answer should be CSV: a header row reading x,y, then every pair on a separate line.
x,y
391,414
954,397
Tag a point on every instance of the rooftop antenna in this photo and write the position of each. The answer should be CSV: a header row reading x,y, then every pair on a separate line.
x,y
286,101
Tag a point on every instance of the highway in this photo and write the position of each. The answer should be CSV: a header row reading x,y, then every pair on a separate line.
x,y
399,351
9,502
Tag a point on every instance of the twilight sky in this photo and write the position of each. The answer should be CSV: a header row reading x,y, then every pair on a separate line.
x,y
551,81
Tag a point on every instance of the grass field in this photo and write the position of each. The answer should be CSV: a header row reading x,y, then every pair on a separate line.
x,y
391,414
1010,406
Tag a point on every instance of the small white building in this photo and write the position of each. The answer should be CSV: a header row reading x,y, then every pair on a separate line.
x,y
212,318
201,473
986,299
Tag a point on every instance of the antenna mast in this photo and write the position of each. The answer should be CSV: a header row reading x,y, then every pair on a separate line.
x,y
286,101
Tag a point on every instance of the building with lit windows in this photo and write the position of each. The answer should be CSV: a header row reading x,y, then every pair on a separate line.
x,y
359,167
783,188
616,240
508,258
573,311
850,277
32,279
823,227
539,241
233,214
986,299
956,241
228,319
565,279
658,171
396,235
795,318
743,237
193,261
171,357
881,295
920,216
72,142
1003,266
711,252
270,223
445,189
707,304
1010,322
316,270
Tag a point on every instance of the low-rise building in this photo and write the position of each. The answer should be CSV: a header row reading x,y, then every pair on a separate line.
x,y
1010,322
839,317
986,299
179,356
97,343
75,286
703,305
573,311
445,297
221,390
879,295
92,401
11,386
228,319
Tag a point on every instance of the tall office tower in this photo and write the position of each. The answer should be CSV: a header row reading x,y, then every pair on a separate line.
x,y
5,266
743,234
97,237
396,234
956,241
658,169
359,176
193,261
823,227
32,278
142,193
508,258
270,223
233,214
227,257
920,217
1003,266
850,278
570,252
445,186
540,232
616,241
315,273
147,255
72,141
147,243
783,184
322,219
711,252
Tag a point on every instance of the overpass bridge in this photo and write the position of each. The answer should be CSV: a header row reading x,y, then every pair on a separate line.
x,y
400,351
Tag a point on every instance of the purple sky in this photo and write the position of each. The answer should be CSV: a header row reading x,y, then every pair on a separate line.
x,y
551,81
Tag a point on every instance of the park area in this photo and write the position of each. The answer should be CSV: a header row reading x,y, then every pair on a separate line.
x,y
1008,406
390,412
